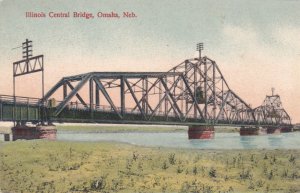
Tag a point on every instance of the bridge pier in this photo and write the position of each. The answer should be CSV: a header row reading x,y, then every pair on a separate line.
x,y
201,132
246,131
33,132
273,130
286,129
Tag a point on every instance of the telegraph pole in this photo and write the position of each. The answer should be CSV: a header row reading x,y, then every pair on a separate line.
x,y
29,64
273,90
199,48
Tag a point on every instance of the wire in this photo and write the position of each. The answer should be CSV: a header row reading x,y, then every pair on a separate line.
x,y
16,48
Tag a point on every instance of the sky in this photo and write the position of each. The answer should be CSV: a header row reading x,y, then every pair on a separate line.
x,y
256,44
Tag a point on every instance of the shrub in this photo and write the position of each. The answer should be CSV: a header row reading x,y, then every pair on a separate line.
x,y
292,159
179,169
172,158
260,183
271,175
98,184
195,170
285,173
245,174
165,166
212,173
251,186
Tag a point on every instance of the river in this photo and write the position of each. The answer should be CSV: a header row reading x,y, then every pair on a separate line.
x,y
180,140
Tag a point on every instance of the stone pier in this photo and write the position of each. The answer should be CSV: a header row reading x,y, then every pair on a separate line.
x,y
246,131
201,132
286,129
273,130
34,132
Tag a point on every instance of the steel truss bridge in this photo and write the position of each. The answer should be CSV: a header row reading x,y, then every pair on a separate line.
x,y
194,92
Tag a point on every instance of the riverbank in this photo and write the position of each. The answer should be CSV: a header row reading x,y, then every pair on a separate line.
x,y
55,166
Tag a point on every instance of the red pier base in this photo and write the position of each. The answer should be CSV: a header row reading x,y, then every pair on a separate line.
x,y
273,130
246,131
201,132
286,129
35,132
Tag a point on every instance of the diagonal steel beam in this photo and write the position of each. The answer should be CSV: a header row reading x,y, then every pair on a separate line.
x,y
134,97
106,95
62,105
173,104
192,95
53,89
147,93
222,107
157,107
77,95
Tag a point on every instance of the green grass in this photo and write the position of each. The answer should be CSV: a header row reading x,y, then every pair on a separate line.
x,y
53,166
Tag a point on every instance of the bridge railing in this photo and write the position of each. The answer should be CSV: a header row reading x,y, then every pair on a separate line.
x,y
19,99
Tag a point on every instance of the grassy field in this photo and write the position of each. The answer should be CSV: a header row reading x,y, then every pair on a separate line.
x,y
53,166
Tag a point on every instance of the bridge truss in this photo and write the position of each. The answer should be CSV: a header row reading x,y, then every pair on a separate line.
x,y
193,92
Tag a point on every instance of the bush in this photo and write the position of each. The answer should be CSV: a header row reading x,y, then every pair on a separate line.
x,y
212,173
179,169
172,158
165,166
195,170
292,159
98,184
245,175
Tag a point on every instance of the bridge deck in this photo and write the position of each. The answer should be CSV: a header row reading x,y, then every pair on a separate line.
x,y
30,110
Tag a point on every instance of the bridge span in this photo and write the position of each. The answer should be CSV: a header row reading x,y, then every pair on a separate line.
x,y
193,93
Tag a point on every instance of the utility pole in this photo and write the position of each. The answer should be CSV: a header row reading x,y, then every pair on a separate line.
x,y
27,49
29,64
199,48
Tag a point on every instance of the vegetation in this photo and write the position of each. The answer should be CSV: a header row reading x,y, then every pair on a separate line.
x,y
54,166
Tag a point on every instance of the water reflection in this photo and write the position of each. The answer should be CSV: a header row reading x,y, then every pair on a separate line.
x,y
275,140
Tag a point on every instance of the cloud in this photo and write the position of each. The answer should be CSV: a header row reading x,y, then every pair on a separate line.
x,y
288,36
254,61
239,34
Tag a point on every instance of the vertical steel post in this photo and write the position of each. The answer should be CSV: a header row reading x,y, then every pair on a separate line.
x,y
159,96
205,88
27,109
143,93
97,96
186,97
166,103
91,89
195,89
222,98
14,94
146,97
43,92
43,78
1,111
214,90
65,90
122,94
181,108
